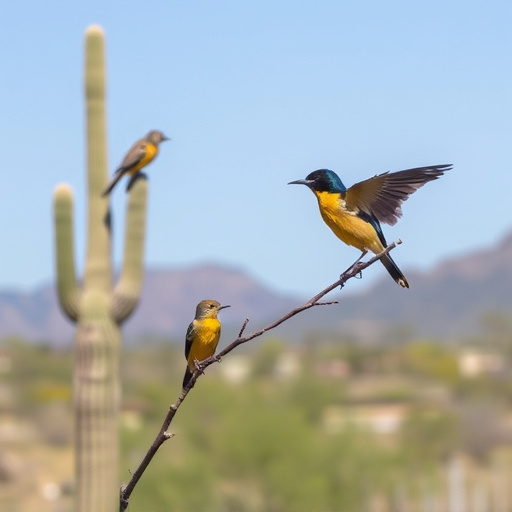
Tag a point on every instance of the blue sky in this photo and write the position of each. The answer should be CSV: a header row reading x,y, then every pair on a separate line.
x,y
254,95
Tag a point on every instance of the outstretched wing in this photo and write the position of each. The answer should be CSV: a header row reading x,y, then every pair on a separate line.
x,y
383,195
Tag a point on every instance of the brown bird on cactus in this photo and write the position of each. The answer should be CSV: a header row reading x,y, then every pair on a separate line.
x,y
142,153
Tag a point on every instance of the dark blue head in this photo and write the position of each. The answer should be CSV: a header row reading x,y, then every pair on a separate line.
x,y
322,180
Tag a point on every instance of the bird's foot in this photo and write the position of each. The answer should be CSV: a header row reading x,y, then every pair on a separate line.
x,y
358,263
199,366
356,269
139,175
353,271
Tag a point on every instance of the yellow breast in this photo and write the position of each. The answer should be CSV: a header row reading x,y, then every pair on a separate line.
x,y
346,225
149,154
206,338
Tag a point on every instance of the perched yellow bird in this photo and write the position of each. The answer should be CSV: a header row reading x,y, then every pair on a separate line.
x,y
354,214
141,154
203,335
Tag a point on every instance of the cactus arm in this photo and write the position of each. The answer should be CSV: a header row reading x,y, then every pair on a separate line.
x,y
67,285
127,291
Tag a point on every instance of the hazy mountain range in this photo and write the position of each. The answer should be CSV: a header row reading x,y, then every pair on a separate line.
x,y
446,302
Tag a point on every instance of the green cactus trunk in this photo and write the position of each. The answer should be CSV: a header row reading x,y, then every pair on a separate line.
x,y
97,308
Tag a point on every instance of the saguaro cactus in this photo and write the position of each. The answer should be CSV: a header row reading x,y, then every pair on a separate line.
x,y
97,307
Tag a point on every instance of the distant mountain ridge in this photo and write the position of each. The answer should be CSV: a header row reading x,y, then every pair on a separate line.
x,y
167,304
448,301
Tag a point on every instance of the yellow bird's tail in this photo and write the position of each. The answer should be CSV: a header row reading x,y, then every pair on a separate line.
x,y
187,377
394,271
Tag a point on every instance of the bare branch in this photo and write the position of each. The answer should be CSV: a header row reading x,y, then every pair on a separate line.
x,y
246,321
163,435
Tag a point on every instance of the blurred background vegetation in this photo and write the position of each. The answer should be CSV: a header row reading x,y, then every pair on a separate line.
x,y
324,425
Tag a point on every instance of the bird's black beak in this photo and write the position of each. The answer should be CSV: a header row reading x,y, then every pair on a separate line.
x,y
223,307
301,182
165,138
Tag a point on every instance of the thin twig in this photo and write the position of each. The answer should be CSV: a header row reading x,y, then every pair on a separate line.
x,y
244,325
163,435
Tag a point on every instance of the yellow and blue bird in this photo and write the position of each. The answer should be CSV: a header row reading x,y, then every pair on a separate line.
x,y
140,154
203,335
354,214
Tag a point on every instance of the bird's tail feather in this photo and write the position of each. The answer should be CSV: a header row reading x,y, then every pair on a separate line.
x,y
394,271
187,377
112,184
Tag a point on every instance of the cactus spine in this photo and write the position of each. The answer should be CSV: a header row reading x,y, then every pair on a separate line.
x,y
97,307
